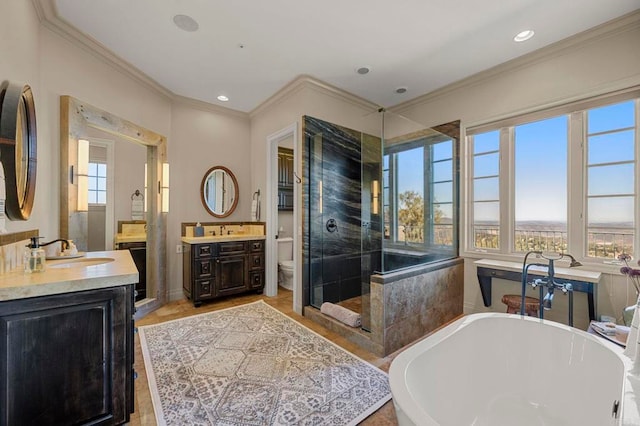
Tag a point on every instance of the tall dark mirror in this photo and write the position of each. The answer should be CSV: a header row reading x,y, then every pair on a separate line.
x,y
18,148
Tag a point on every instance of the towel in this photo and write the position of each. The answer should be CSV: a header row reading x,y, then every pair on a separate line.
x,y
137,210
607,328
254,211
342,314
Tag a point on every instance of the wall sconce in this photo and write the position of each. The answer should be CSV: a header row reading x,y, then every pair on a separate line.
x,y
83,175
320,193
375,196
165,187
145,187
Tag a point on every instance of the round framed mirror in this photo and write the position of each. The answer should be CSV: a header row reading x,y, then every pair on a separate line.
x,y
18,148
219,191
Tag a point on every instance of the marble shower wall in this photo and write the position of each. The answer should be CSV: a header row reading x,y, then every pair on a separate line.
x,y
333,164
406,306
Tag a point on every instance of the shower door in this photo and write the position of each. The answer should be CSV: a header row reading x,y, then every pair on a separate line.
x,y
333,238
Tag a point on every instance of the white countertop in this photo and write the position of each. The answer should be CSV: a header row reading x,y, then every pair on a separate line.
x,y
16,284
577,273
222,238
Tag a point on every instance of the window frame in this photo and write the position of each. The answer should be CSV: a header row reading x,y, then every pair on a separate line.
x,y
577,196
427,143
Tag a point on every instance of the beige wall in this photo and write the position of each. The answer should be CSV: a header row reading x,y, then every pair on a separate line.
x,y
200,139
53,66
303,99
20,62
596,64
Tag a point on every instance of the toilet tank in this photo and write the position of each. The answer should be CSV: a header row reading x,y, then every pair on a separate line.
x,y
285,248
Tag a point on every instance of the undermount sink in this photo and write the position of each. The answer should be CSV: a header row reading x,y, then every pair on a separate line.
x,y
81,262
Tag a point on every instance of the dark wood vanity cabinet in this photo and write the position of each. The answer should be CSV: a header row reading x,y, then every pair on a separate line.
x,y
212,270
67,358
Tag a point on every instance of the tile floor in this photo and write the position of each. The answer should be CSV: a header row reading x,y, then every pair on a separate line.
x,y
144,415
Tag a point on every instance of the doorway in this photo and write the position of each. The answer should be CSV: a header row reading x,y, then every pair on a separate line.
x,y
289,219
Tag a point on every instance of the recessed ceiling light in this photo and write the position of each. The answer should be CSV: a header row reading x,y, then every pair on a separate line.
x,y
363,70
223,98
523,35
186,23
401,90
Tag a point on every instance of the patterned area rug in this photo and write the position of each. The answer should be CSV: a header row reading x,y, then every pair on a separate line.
x,y
253,365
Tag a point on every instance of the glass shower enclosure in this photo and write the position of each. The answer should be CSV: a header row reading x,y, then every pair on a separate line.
x,y
374,203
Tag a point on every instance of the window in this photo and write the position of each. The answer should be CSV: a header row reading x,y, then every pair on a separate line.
x,y
420,175
540,195
610,169
97,183
410,195
563,180
441,193
486,190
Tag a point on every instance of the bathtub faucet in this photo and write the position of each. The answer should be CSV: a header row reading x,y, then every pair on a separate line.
x,y
549,282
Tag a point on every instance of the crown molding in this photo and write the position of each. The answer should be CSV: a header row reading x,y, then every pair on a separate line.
x,y
209,107
49,18
305,81
617,26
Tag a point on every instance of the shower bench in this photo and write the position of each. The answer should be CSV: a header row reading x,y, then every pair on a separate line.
x,y
582,280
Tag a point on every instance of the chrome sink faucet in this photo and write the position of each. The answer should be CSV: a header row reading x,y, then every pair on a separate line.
x,y
222,228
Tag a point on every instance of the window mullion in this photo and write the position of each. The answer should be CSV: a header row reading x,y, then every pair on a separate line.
x,y
469,194
637,182
576,187
507,191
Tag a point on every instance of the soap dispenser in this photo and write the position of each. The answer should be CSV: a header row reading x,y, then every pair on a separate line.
x,y
34,257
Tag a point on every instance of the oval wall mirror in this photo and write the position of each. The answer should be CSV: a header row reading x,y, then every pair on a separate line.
x,y
219,191
18,148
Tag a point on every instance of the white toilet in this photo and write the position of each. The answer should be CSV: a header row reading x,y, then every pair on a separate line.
x,y
285,262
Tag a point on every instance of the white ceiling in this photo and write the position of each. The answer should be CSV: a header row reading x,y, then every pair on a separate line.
x,y
420,44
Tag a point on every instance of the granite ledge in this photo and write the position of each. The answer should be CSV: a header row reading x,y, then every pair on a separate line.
x,y
413,271
16,284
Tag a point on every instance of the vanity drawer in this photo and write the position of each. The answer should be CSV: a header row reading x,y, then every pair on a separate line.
x,y
204,250
203,268
256,245
256,279
204,289
231,248
256,261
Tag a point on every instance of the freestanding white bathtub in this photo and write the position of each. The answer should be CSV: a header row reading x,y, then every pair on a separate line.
x,y
501,369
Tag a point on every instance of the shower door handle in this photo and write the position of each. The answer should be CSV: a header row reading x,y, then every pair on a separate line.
x,y
332,225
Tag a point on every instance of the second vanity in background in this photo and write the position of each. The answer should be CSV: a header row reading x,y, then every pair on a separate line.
x,y
227,260
132,236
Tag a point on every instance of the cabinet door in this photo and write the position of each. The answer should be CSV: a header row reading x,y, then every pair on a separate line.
x,y
232,273
67,359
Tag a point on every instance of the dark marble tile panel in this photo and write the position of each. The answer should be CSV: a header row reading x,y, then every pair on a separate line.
x,y
331,292
351,287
